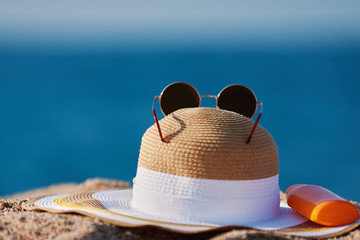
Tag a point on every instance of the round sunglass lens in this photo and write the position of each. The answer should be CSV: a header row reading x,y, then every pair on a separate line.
x,y
238,98
178,95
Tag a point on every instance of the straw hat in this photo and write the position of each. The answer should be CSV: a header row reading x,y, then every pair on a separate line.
x,y
206,177
209,143
208,172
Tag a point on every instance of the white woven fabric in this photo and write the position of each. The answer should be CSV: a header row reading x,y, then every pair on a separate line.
x,y
217,201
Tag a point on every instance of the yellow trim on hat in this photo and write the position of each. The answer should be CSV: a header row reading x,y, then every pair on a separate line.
x,y
59,201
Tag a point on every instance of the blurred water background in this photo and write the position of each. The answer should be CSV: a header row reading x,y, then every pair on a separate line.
x,y
77,83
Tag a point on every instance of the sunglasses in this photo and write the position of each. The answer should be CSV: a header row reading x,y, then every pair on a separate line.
x,y
236,98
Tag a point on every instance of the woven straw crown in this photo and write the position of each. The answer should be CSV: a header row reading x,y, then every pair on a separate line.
x,y
209,143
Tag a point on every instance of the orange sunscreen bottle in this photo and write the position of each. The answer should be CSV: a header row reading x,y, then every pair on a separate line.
x,y
320,205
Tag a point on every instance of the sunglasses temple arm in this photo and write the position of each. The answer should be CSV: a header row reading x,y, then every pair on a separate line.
x,y
256,123
156,120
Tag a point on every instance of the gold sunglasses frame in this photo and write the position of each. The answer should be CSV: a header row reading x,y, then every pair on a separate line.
x,y
199,99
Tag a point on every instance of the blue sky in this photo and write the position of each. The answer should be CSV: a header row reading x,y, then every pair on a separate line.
x,y
185,23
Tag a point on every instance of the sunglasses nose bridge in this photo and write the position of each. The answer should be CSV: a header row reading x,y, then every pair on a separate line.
x,y
210,96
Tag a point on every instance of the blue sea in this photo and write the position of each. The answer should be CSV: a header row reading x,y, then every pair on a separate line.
x,y
66,116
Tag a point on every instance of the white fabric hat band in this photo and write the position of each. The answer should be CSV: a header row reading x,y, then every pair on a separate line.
x,y
203,200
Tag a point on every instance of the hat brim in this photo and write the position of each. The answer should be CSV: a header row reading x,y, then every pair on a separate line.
x,y
115,207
